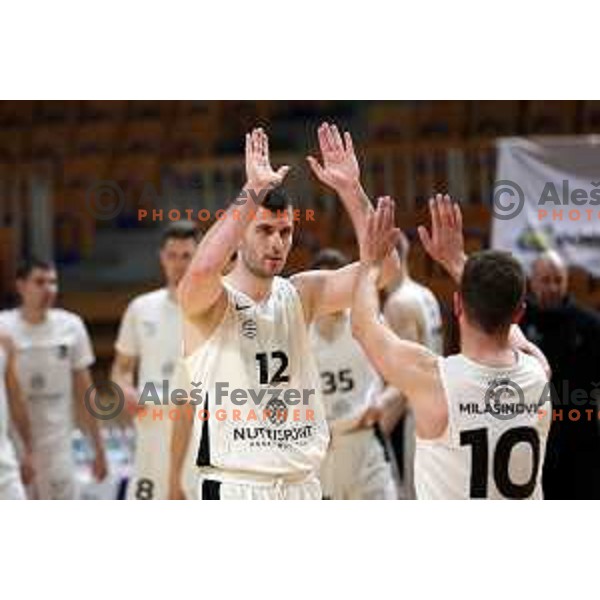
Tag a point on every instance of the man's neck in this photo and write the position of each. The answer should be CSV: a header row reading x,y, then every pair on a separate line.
x,y
257,288
33,316
493,351
172,292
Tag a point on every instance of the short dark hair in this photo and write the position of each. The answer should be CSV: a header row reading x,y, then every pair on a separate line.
x,y
329,258
492,288
179,230
277,199
27,265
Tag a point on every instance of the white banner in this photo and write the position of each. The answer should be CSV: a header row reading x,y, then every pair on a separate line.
x,y
547,196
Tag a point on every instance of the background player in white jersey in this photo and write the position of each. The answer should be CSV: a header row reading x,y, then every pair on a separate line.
x,y
413,313
357,465
13,408
148,349
480,430
248,331
54,354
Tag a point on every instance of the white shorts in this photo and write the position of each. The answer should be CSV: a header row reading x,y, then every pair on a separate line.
x,y
150,474
12,489
214,487
357,467
53,485
55,477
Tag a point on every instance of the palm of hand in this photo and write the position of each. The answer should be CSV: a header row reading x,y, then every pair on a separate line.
x,y
262,172
339,170
447,245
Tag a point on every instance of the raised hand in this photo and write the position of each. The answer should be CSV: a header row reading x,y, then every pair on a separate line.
x,y
340,169
259,173
381,236
446,243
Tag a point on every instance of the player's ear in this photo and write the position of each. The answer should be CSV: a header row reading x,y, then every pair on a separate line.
x,y
519,312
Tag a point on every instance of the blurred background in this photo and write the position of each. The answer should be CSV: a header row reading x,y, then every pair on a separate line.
x,y
54,156
74,176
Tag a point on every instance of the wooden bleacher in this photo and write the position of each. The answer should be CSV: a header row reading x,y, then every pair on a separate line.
x,y
405,144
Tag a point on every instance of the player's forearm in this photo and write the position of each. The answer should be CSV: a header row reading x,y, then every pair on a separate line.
x,y
123,377
82,384
518,341
359,206
222,239
20,418
92,430
201,285
18,407
365,307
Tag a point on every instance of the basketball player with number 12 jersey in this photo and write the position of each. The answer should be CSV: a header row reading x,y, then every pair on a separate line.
x,y
262,432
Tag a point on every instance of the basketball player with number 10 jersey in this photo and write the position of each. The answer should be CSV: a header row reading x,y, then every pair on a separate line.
x,y
482,416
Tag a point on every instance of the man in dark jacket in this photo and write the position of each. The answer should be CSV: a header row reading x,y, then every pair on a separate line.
x,y
569,336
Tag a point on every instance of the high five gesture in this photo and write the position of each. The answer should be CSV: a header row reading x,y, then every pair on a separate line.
x,y
445,244
340,169
260,175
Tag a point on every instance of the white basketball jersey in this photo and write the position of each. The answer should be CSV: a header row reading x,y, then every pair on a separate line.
x,y
8,461
434,338
494,445
47,355
151,330
260,388
347,378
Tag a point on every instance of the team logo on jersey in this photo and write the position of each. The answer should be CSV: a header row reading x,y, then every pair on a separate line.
x,y
502,397
239,306
277,411
149,327
63,350
249,328
37,381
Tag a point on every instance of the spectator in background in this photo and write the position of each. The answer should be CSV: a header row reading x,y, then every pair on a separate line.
x,y
569,336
